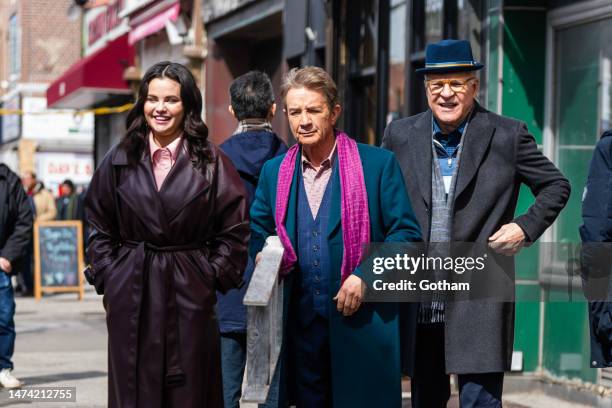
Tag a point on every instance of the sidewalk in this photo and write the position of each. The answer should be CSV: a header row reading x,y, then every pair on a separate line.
x,y
62,342
510,400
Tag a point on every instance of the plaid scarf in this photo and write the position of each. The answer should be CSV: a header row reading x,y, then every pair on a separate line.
x,y
354,215
253,125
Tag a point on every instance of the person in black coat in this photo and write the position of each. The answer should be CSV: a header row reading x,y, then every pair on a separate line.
x,y
15,236
252,144
596,235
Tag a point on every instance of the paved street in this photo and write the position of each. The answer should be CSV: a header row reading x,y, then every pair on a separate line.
x,y
62,342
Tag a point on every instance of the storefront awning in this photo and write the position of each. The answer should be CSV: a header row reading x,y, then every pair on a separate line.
x,y
93,78
154,23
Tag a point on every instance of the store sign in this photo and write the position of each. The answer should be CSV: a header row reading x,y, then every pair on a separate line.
x,y
103,24
54,168
40,123
11,124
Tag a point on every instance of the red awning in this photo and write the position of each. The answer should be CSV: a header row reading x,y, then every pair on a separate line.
x,y
93,78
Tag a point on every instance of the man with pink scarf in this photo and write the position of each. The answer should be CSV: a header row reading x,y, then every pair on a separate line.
x,y
325,199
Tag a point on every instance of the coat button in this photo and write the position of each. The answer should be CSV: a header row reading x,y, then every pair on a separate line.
x,y
315,248
594,363
317,292
316,278
315,262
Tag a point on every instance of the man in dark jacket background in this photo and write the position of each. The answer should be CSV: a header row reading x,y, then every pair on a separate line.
x,y
69,204
15,233
252,144
596,235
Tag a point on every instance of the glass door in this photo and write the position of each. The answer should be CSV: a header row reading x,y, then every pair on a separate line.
x,y
580,108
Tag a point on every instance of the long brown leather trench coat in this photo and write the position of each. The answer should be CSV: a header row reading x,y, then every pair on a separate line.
x,y
158,257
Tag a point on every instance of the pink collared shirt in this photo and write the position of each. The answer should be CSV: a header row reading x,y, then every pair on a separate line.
x,y
163,158
315,181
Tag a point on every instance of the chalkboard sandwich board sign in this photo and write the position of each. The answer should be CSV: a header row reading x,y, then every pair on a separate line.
x,y
58,257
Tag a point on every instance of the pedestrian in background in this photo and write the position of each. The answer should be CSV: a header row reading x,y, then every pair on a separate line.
x,y
250,146
463,167
71,207
43,210
43,198
326,198
168,218
68,204
596,235
15,237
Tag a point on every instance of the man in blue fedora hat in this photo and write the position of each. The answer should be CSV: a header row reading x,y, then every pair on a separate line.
x,y
463,167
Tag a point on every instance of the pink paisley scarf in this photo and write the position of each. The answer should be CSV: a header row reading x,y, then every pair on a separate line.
x,y
354,215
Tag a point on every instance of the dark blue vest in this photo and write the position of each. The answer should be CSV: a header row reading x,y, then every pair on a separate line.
x,y
313,255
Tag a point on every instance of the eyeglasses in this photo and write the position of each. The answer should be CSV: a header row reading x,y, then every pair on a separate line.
x,y
436,86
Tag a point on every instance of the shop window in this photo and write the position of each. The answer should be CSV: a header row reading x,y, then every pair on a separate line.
x,y
367,34
580,97
578,102
470,23
397,59
433,20
471,26
14,40
364,116
582,106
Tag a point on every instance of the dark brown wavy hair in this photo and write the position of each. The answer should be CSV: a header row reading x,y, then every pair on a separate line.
x,y
195,132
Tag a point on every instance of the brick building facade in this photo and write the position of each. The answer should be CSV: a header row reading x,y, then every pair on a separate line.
x,y
38,42
49,41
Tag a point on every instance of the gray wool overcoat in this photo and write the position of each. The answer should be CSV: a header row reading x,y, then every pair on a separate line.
x,y
499,154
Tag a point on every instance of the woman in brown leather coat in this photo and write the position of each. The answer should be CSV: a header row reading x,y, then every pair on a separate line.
x,y
170,227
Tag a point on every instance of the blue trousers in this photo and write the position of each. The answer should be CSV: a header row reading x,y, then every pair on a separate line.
x,y
233,359
7,322
431,385
311,364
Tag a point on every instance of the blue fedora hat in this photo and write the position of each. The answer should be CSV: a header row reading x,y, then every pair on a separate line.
x,y
449,56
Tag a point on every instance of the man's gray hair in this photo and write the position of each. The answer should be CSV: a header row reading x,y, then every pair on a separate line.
x,y
313,78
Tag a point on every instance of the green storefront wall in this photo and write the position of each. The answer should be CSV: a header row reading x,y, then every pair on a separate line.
x,y
565,346
524,39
